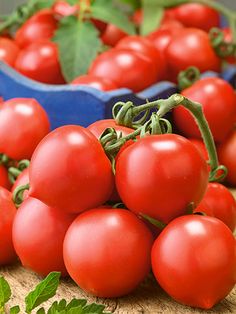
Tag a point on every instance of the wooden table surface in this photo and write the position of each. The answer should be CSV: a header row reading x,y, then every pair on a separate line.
x,y
148,298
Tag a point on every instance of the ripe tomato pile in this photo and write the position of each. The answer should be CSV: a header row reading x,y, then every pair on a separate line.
x,y
109,203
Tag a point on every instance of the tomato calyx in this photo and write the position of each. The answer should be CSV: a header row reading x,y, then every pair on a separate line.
x,y
222,48
14,172
187,77
157,223
18,196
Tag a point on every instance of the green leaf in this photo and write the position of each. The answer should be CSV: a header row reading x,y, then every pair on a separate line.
x,y
5,292
135,4
45,290
41,311
78,44
167,3
76,302
94,308
15,309
104,10
152,16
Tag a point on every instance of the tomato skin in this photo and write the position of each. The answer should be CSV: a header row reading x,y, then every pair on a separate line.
x,y
22,179
31,122
113,63
195,15
40,58
100,83
146,48
112,35
71,164
92,261
160,157
38,235
219,106
4,181
194,260
204,209
226,153
197,52
41,25
228,39
8,51
223,205
7,214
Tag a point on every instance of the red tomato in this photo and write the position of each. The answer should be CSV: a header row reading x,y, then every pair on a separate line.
x,y
40,62
23,123
219,106
197,52
204,208
63,8
100,83
38,234
113,63
226,152
69,170
228,39
195,15
201,147
114,258
146,48
194,260
8,51
112,35
4,181
7,214
41,25
160,175
221,201
22,179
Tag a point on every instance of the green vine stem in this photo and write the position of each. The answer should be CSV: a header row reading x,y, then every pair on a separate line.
x,y
187,77
18,194
14,172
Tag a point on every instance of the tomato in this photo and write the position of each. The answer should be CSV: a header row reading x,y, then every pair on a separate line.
x,y
222,203
40,58
4,181
22,179
112,35
151,181
146,48
113,63
38,234
197,52
23,123
219,106
194,260
229,39
114,258
7,214
8,51
195,15
63,8
204,209
100,83
69,170
41,25
226,153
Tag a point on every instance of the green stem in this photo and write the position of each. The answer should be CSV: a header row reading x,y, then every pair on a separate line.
x,y
18,194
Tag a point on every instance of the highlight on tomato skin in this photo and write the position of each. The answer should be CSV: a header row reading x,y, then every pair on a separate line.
x,y
194,260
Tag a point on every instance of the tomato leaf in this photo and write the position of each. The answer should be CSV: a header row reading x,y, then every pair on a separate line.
x,y
15,309
45,290
5,292
152,16
41,311
79,44
167,3
105,11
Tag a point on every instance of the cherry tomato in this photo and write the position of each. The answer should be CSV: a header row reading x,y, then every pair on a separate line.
x,y
38,234
112,35
222,203
197,52
40,58
219,106
160,175
41,25
204,209
194,260
22,179
226,153
69,170
113,63
146,48
4,181
100,83
8,51
228,39
199,144
7,214
23,123
195,15
114,258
